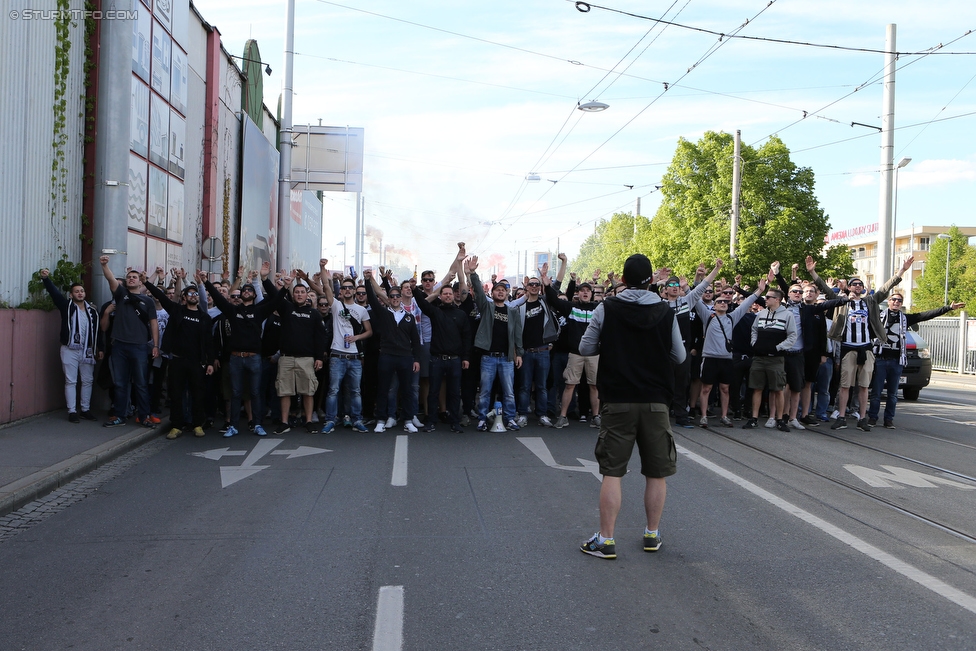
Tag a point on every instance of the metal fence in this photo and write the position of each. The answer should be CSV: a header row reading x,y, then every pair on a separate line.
x,y
952,342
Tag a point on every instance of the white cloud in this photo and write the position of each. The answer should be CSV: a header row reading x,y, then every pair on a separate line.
x,y
937,172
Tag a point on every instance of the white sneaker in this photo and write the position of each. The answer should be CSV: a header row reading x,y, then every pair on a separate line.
x,y
522,421
315,418
416,423
545,422
380,427
391,422
408,426
835,415
795,424
771,423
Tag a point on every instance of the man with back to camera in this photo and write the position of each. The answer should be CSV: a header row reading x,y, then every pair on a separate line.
x,y
81,345
637,337
133,326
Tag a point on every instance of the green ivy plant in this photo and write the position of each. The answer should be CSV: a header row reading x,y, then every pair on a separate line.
x,y
63,275
62,66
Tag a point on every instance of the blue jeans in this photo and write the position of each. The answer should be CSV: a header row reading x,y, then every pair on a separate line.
x,y
339,368
887,372
130,368
558,363
821,388
534,371
238,367
505,370
449,371
389,366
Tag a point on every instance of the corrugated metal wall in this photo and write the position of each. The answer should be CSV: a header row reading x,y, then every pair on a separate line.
x,y
32,237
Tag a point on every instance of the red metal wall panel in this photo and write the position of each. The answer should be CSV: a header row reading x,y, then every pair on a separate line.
x,y
6,367
31,381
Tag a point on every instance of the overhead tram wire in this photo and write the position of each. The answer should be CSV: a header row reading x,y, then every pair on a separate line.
x,y
540,163
907,126
541,54
547,154
708,53
782,41
430,74
871,81
959,92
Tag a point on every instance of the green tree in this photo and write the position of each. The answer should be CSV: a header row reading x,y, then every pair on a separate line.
x,y
930,293
780,217
612,242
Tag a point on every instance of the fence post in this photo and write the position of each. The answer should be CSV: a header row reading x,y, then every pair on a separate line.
x,y
963,353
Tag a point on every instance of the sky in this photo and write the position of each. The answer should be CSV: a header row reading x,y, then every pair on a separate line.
x,y
461,101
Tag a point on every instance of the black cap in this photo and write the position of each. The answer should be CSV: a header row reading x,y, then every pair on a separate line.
x,y
637,271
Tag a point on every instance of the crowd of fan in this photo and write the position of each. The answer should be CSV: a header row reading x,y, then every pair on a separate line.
x,y
318,351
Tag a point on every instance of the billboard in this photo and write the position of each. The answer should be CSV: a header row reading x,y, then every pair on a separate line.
x,y
327,158
300,239
259,199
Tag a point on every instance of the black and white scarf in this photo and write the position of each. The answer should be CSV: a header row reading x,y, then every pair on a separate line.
x,y
894,335
74,325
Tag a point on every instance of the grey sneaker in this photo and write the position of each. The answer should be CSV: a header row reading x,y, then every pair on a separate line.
x,y
561,422
522,421
596,421
545,422
703,422
727,422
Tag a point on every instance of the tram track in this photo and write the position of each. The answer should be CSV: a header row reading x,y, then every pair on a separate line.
x,y
920,517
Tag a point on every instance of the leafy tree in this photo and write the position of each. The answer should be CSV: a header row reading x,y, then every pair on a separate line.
x,y
611,244
780,218
930,293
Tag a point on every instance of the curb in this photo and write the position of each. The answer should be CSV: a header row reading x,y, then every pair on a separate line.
x,y
38,484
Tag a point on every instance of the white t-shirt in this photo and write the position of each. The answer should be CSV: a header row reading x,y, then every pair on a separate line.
x,y
342,316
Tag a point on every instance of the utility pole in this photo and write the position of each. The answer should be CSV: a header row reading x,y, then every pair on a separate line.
x,y
284,138
885,227
736,183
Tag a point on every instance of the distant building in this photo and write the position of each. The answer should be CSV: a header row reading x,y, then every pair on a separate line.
x,y
863,243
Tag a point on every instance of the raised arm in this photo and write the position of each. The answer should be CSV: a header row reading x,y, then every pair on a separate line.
x,y
113,282
57,297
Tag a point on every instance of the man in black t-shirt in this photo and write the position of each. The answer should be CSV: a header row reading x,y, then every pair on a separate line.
x,y
134,327
189,342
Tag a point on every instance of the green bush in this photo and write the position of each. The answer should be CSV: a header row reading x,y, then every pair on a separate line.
x,y
63,275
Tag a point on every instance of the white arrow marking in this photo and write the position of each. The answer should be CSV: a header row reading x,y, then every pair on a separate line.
x,y
215,455
233,474
896,475
301,451
538,447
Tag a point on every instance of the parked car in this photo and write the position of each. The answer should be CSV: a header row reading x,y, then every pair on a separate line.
x,y
918,368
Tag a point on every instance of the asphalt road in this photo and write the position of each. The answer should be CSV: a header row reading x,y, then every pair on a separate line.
x,y
771,541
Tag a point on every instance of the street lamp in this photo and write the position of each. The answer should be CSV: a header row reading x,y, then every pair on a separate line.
x,y
944,236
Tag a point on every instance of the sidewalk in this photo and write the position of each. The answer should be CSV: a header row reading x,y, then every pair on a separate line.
x,y
42,453
953,381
